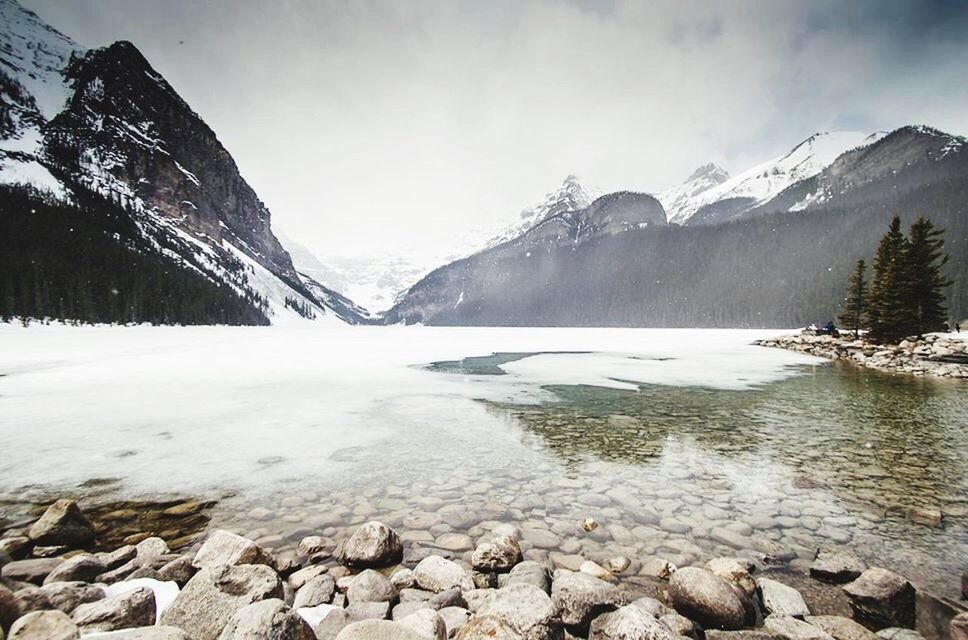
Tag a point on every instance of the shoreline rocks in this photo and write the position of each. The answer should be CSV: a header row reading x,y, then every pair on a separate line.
x,y
368,587
934,355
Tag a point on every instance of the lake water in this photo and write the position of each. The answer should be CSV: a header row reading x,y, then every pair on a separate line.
x,y
683,444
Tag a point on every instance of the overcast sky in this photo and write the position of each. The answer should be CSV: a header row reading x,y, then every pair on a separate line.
x,y
386,127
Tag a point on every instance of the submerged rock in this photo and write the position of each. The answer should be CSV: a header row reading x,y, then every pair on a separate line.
x,y
841,628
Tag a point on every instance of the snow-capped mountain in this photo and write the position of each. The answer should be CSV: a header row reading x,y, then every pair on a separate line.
x,y
722,199
105,122
570,196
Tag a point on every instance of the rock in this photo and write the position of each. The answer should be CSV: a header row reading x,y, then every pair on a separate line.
x,y
628,623
402,579
579,598
270,618
541,538
313,545
447,598
84,568
317,591
151,548
427,623
487,628
595,570
67,596
880,598
781,600
618,564
571,561
404,609
454,619
44,625
213,595
118,557
226,548
652,607
180,571
702,596
734,572
378,630
9,609
530,572
657,568
794,629
526,609
33,570
589,524
958,628
17,547
145,633
899,633
841,628
436,574
682,626
372,545
132,609
837,567
370,586
62,524
301,577
454,541
368,610
748,634
498,555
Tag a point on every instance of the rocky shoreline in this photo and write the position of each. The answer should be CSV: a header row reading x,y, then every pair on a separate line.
x,y
934,355
369,586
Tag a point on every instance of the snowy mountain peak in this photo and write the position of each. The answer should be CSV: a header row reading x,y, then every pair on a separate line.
x,y
570,196
766,180
711,172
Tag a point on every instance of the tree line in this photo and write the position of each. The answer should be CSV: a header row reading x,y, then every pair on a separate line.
x,y
906,295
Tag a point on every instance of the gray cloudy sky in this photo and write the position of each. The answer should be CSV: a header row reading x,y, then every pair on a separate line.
x,y
373,127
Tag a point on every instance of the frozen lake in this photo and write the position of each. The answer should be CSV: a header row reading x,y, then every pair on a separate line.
x,y
694,441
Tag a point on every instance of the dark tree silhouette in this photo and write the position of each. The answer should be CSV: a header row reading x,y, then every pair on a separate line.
x,y
853,314
926,259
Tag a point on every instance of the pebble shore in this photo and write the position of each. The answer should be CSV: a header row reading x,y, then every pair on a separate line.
x,y
58,582
933,355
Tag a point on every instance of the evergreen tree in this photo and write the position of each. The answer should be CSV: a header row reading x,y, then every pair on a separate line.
x,y
926,283
889,314
853,314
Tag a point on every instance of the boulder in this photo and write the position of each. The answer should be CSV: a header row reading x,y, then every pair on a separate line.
x,y
213,595
841,628
681,626
447,598
837,567
62,524
370,586
152,548
526,609
117,558
67,596
226,548
628,623
579,598
746,634
378,630
794,629
436,574
958,628
9,609
402,579
487,628
301,577
706,598
374,544
44,625
734,572
142,633
14,548
454,619
270,618
427,623
530,572
368,610
652,607
880,598
781,600
84,567
34,570
317,591
497,555
180,570
123,611
898,633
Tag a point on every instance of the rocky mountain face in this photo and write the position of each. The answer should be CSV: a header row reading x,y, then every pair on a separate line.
x,y
105,122
781,262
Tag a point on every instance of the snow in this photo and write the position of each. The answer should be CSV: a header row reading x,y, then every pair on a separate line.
x,y
165,593
253,408
15,171
570,196
768,179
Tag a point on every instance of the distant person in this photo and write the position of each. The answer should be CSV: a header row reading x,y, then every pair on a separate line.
x,y
957,328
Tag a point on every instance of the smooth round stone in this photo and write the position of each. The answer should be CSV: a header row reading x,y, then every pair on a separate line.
x,y
672,525
540,538
454,542
594,500
422,520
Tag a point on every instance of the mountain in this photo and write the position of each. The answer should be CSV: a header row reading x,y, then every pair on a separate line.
x,y
725,198
104,123
570,196
781,263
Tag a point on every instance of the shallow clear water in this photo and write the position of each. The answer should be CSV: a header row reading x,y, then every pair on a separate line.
x,y
821,456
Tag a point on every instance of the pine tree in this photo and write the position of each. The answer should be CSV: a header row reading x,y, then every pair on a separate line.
x,y
853,314
890,317
925,295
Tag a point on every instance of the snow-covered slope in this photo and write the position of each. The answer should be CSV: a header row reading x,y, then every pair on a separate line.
x,y
103,121
679,198
570,196
758,185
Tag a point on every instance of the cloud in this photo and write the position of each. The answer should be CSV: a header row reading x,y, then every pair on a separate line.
x,y
378,127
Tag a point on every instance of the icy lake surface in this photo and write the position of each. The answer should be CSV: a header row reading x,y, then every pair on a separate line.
x,y
694,441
